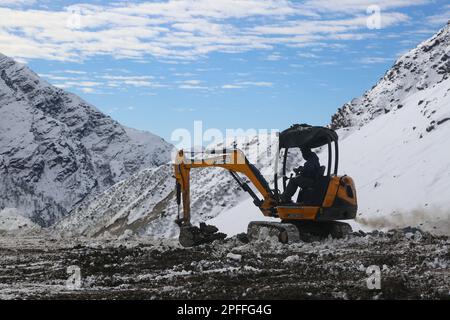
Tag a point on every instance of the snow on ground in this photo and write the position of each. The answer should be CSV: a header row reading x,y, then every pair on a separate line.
x,y
235,220
232,269
12,219
401,164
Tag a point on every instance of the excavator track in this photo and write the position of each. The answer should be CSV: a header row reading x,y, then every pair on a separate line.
x,y
261,231
296,231
318,230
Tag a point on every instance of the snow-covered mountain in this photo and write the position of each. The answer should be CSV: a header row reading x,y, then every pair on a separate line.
x,y
56,150
400,155
420,69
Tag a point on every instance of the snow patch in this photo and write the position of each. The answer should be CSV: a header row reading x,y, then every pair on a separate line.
x,y
12,220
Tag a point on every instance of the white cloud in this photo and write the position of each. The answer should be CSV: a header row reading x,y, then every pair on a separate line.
x,y
231,86
374,60
184,109
184,74
177,30
360,5
307,55
243,84
192,82
192,87
88,84
138,83
323,29
61,86
88,90
126,78
256,83
54,77
17,2
274,57
81,80
442,18
74,72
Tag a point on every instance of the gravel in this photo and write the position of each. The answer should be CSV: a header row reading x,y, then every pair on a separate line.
x,y
412,265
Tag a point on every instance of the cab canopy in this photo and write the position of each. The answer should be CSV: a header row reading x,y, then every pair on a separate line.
x,y
306,136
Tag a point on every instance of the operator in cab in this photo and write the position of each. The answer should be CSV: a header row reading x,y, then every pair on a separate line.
x,y
306,175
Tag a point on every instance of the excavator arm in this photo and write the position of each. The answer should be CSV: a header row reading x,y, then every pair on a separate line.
x,y
232,160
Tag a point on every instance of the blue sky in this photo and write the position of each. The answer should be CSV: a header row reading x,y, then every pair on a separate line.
x,y
160,65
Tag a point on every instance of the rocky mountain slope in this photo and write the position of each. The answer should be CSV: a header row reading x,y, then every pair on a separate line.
x,y
401,162
420,69
56,150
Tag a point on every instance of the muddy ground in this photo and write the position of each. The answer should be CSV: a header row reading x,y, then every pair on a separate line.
x,y
413,265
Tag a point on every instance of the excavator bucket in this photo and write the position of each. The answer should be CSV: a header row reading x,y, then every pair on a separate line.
x,y
191,236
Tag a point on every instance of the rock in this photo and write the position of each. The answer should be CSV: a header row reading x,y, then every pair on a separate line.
x,y
291,259
207,229
234,257
362,233
243,237
126,235
409,235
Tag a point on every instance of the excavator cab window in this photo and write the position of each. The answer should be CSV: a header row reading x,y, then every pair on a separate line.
x,y
321,141
291,158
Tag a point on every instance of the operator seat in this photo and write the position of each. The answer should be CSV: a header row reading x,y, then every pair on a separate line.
x,y
313,196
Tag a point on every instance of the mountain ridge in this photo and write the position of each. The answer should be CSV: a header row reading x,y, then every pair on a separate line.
x,y
427,64
61,149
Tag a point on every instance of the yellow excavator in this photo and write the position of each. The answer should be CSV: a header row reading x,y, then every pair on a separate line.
x,y
314,215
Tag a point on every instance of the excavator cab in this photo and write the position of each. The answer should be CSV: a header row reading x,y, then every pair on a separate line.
x,y
314,214
332,197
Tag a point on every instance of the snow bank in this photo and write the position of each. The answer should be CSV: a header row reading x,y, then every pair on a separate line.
x,y
11,220
401,165
236,220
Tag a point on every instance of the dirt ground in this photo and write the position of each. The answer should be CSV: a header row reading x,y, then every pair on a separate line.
x,y
412,265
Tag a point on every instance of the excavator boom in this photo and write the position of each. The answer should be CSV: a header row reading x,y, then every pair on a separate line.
x,y
233,160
